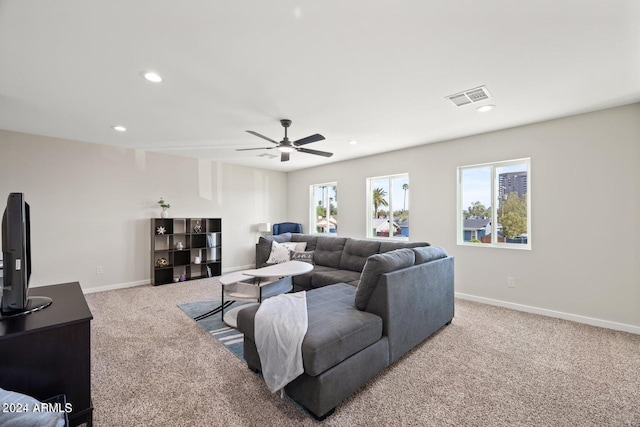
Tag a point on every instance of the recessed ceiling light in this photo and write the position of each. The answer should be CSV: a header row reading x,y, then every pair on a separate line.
x,y
353,142
152,76
485,108
119,128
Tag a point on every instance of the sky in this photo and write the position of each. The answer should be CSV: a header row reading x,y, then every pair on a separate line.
x,y
476,183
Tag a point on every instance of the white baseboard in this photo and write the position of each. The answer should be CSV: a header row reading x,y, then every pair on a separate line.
x,y
551,313
116,286
148,281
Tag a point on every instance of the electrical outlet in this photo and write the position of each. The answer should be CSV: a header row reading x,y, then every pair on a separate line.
x,y
511,282
99,269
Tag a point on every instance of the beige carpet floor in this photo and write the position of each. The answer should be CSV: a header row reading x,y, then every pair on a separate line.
x,y
153,366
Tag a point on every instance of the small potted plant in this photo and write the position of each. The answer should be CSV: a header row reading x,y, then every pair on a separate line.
x,y
165,207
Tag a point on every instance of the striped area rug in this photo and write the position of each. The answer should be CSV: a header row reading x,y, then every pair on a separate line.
x,y
230,337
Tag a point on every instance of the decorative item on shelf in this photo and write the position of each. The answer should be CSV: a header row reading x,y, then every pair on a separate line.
x,y
162,262
161,230
176,279
165,208
179,246
197,228
183,277
197,260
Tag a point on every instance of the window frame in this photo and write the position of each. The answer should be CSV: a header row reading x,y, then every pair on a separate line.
x,y
313,218
369,214
495,190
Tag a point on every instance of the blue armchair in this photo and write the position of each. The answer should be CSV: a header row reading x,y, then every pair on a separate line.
x,y
287,227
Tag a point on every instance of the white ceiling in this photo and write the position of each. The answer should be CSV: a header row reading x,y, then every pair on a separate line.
x,y
368,70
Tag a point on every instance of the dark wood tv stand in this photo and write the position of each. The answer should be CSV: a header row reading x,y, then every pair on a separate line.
x,y
48,352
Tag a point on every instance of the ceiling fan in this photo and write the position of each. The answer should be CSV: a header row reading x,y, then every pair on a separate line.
x,y
286,147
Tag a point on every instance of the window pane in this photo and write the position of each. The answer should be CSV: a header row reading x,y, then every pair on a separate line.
x,y
476,204
325,208
400,205
512,203
494,204
389,206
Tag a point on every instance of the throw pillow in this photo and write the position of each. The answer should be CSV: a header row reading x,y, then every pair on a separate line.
x,y
302,256
280,251
26,413
377,265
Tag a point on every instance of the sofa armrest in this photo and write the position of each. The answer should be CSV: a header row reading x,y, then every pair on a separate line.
x,y
414,303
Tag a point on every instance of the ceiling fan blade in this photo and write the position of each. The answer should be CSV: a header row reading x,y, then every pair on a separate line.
x,y
259,148
284,156
319,153
262,136
308,140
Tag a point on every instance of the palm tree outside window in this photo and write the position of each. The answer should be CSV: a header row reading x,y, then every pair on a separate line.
x,y
388,207
324,208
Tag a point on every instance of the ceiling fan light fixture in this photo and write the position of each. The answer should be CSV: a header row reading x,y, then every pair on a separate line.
x,y
285,149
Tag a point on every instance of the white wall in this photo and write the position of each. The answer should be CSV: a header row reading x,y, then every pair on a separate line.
x,y
91,205
585,190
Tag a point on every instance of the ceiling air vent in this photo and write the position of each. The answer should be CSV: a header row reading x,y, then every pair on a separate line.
x,y
469,96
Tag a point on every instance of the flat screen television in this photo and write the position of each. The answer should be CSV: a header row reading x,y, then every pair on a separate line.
x,y
16,259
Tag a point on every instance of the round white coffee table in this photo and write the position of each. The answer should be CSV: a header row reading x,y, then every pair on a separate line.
x,y
257,284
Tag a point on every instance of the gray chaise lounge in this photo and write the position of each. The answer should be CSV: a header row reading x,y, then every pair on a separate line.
x,y
356,330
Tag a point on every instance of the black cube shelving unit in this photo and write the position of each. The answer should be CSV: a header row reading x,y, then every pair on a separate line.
x,y
178,243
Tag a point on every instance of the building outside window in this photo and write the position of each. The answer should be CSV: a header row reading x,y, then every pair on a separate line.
x,y
324,208
494,204
388,207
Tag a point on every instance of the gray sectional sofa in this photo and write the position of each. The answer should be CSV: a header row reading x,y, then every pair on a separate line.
x,y
368,303
335,259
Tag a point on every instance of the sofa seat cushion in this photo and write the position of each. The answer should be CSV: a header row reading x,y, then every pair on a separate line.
x,y
304,280
337,330
332,276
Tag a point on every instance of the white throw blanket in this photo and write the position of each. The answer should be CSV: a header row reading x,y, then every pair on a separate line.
x,y
280,326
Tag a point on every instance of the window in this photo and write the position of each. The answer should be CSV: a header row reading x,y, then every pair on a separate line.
x,y
388,206
495,193
324,208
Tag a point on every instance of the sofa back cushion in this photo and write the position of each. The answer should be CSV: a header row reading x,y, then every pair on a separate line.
x,y
428,253
329,250
392,246
356,252
311,240
376,266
